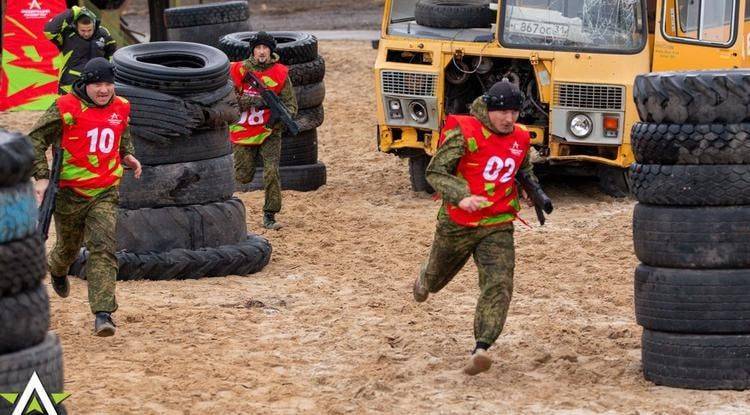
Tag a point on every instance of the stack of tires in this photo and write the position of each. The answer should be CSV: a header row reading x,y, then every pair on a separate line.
x,y
25,344
691,228
206,23
180,219
299,168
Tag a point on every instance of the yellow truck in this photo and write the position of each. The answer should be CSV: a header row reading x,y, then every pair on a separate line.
x,y
575,60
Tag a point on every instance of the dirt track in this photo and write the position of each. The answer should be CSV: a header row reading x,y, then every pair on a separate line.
x,y
330,326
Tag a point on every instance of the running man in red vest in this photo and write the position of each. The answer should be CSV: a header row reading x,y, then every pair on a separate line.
x,y
252,133
91,125
474,170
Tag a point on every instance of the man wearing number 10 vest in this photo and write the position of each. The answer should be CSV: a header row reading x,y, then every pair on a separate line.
x,y
90,125
254,133
474,171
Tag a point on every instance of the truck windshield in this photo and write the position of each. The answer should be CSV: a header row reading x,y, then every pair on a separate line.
x,y
404,22
616,26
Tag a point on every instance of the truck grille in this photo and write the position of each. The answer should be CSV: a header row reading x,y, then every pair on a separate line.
x,y
413,84
588,96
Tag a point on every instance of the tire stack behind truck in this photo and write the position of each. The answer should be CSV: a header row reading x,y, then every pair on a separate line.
x,y
691,228
26,346
299,167
206,23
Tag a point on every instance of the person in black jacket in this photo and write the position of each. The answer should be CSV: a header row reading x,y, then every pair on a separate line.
x,y
79,36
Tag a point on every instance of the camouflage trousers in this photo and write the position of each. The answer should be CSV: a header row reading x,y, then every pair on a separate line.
x,y
494,256
91,223
244,169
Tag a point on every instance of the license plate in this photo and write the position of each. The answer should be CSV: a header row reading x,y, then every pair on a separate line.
x,y
531,28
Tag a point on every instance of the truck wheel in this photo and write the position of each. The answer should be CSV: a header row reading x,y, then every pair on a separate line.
x,y
206,14
310,96
306,178
308,73
202,144
22,265
310,118
292,47
24,319
417,167
614,181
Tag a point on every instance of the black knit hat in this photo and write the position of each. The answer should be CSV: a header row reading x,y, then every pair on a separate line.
x,y
262,38
98,70
504,95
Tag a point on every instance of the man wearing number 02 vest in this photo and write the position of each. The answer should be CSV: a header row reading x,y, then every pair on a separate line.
x,y
91,126
255,132
474,171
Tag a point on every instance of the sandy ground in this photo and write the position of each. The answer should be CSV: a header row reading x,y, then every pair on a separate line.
x,y
330,325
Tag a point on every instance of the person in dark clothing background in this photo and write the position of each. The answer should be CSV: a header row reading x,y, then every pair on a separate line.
x,y
79,36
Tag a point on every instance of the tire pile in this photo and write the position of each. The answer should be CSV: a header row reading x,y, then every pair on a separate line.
x,y
206,23
180,219
299,168
691,228
26,346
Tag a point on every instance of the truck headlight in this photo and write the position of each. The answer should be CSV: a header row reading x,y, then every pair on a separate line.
x,y
418,111
581,125
394,109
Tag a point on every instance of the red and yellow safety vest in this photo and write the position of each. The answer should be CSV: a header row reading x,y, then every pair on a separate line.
x,y
489,166
91,144
252,129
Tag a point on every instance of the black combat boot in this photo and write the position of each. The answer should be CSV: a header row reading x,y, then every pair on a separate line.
x,y
269,221
103,325
61,285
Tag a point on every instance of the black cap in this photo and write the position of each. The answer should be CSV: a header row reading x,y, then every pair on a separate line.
x,y
98,70
262,38
504,95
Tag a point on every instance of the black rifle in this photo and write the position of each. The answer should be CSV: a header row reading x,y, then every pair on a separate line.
x,y
542,202
47,207
278,110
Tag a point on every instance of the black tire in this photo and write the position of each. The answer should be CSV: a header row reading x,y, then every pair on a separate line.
x,y
206,34
108,4
203,144
18,212
310,118
691,143
179,184
22,265
693,301
417,167
46,359
297,150
16,158
691,185
206,14
246,257
300,178
207,99
696,361
172,67
613,181
308,73
692,237
697,97
165,115
292,47
184,227
310,96
24,319
452,14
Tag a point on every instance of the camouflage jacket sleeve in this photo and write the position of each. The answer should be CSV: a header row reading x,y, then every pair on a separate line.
x,y
110,45
441,172
528,168
288,98
46,132
56,28
126,143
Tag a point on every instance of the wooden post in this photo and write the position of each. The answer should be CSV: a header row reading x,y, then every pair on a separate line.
x,y
156,15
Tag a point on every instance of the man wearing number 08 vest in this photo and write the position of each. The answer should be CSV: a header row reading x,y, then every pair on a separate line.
x,y
474,171
253,134
91,127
